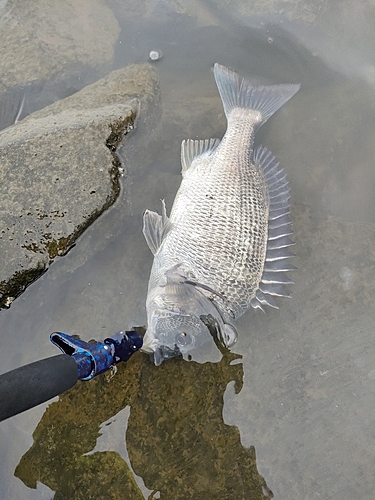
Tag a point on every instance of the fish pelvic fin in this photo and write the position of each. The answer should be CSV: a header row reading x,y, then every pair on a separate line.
x,y
156,227
191,149
237,92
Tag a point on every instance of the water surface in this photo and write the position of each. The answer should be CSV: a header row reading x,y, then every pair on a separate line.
x,y
289,412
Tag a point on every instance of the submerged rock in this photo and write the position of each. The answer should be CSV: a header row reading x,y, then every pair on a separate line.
x,y
59,171
49,51
42,40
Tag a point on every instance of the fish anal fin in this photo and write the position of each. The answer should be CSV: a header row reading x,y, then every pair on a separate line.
x,y
155,228
191,149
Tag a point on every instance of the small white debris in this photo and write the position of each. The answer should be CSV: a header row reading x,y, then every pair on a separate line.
x,y
111,373
155,55
8,301
347,277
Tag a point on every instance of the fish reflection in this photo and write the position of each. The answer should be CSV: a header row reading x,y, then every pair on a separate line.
x,y
176,438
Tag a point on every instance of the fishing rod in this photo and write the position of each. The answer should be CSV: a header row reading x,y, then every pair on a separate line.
x,y
33,384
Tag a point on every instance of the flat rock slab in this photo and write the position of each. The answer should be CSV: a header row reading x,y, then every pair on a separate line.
x,y
59,171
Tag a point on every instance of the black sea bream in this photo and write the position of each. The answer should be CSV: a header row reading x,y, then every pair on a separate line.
x,y
224,247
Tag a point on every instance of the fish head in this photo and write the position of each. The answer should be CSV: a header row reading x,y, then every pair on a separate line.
x,y
177,320
173,333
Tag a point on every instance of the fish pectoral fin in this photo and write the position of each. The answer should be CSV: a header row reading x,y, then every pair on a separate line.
x,y
229,336
223,333
191,149
155,228
175,274
207,288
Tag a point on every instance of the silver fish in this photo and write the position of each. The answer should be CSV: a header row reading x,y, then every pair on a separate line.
x,y
224,247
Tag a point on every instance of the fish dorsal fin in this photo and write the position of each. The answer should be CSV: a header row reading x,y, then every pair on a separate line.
x,y
237,92
156,227
274,277
190,149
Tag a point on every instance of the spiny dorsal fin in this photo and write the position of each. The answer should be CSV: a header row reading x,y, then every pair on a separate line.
x,y
274,278
190,149
156,227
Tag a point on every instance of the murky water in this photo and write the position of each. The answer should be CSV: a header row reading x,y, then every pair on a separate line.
x,y
290,412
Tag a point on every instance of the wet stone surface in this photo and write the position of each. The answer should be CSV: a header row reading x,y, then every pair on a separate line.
x,y
39,39
59,171
50,51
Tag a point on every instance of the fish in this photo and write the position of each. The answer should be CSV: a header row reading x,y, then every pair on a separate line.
x,y
225,246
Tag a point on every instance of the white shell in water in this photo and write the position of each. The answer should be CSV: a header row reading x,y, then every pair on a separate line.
x,y
155,55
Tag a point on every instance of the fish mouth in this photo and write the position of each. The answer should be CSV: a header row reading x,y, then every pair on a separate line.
x,y
164,352
159,352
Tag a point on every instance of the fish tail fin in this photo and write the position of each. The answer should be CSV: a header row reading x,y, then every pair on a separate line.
x,y
237,92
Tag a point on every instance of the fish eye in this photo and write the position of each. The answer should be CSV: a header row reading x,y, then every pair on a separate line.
x,y
183,339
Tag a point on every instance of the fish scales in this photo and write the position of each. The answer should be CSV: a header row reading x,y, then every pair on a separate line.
x,y
219,219
224,246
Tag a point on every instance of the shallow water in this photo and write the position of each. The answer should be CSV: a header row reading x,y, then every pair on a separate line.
x,y
290,410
